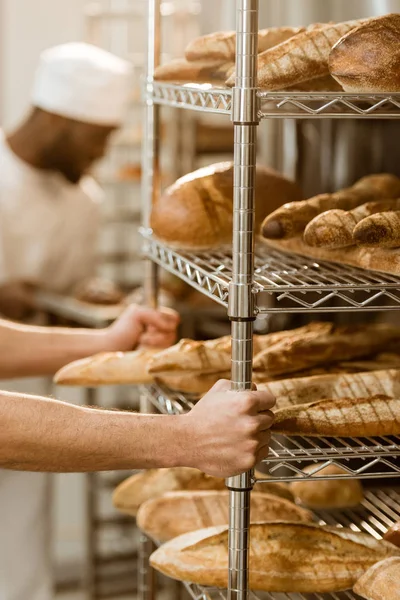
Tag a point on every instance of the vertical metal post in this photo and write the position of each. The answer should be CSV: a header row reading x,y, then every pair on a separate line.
x,y
241,298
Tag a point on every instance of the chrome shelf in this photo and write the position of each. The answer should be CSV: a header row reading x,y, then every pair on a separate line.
x,y
362,458
284,105
379,510
283,282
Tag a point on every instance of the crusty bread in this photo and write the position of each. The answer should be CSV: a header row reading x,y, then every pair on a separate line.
x,y
189,382
327,494
109,368
334,228
344,417
300,390
212,356
324,346
381,581
291,219
301,58
367,59
393,534
381,229
203,71
197,211
221,45
284,557
176,513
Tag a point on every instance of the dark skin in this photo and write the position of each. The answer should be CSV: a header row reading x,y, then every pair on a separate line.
x,y
56,144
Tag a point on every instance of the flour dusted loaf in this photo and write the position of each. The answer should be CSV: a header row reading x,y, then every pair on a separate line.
x,y
176,513
327,494
381,581
109,368
381,229
197,211
284,557
344,417
367,59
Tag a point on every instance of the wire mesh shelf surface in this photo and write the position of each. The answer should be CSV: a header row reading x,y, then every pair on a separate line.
x,y
282,281
206,98
364,458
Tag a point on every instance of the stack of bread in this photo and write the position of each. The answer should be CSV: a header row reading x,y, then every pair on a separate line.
x,y
359,225
355,56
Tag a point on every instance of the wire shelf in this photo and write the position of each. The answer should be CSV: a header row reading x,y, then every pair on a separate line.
x,y
283,282
332,105
362,458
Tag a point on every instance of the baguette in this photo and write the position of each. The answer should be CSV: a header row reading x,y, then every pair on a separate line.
x,y
202,71
327,494
381,229
331,344
291,219
334,228
176,513
111,368
284,557
345,417
301,58
190,382
368,58
221,45
381,581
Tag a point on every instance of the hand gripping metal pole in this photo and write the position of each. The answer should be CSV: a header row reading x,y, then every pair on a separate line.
x,y
241,297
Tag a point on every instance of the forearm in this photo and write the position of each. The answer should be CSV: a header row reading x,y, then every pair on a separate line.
x,y
38,434
34,351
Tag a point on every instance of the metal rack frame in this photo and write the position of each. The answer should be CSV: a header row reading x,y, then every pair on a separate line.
x,y
244,279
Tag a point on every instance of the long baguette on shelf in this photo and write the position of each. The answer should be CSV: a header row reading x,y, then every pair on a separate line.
x,y
381,581
290,220
284,557
381,229
344,417
327,494
335,228
176,513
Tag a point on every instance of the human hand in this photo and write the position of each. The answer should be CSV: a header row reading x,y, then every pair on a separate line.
x,y
228,432
139,326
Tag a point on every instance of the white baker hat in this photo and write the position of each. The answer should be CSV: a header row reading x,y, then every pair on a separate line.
x,y
83,82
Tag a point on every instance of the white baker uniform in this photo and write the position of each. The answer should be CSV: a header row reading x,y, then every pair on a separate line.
x,y
48,235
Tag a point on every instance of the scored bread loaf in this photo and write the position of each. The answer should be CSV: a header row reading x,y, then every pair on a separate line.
x,y
202,71
381,229
301,390
176,513
109,368
327,494
196,212
330,344
334,228
367,59
284,557
301,58
343,417
290,220
381,581
221,45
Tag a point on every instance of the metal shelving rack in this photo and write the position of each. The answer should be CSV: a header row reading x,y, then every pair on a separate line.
x,y
245,277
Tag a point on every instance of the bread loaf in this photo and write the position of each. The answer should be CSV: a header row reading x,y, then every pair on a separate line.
x,y
110,368
330,344
197,211
213,356
345,417
176,513
368,58
381,229
289,392
334,228
393,534
301,58
381,581
189,382
221,45
327,494
284,557
290,220
99,291
202,71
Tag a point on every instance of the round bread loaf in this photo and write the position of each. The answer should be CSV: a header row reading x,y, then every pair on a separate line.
x,y
368,58
196,213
